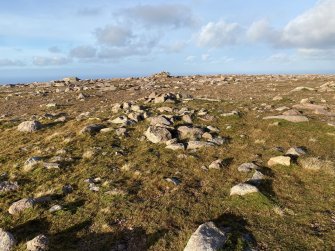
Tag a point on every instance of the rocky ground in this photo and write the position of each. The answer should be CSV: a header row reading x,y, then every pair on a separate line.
x,y
224,162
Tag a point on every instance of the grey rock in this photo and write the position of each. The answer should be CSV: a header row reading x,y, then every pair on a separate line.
x,y
29,126
217,164
292,118
6,186
279,160
92,129
247,167
191,133
158,134
243,189
160,121
193,145
21,205
206,238
296,151
39,243
7,240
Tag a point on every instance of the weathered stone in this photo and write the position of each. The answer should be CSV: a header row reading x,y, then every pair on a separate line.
x,y
292,118
192,145
21,205
158,134
7,241
243,189
256,178
39,243
247,167
217,164
31,163
191,133
176,146
296,151
206,238
160,121
29,126
6,186
91,129
280,160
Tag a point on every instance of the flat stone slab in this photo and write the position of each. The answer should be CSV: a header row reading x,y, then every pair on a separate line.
x,y
290,118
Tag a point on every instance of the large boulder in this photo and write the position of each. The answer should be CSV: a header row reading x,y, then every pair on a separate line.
x,y
206,238
29,126
7,240
158,134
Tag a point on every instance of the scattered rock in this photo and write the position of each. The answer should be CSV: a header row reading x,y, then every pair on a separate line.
x,y
7,241
29,126
206,238
158,134
92,129
21,205
243,189
217,164
279,160
193,145
190,133
247,167
39,243
55,208
6,186
290,118
296,151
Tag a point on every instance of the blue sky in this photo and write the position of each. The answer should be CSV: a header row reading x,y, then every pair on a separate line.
x,y
46,40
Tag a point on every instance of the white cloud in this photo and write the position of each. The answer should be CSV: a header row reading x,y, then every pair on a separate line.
x,y
83,52
313,29
48,61
113,35
174,47
218,34
173,15
262,31
9,62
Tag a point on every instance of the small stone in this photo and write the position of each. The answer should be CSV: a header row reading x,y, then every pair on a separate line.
x,y
176,146
21,205
243,189
187,119
158,134
67,189
160,121
247,167
296,151
279,160
39,243
217,164
206,238
193,145
51,165
92,129
55,208
173,180
190,133
256,178
6,186
29,126
290,118
7,240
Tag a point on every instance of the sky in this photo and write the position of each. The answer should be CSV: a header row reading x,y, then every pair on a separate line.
x,y
49,40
